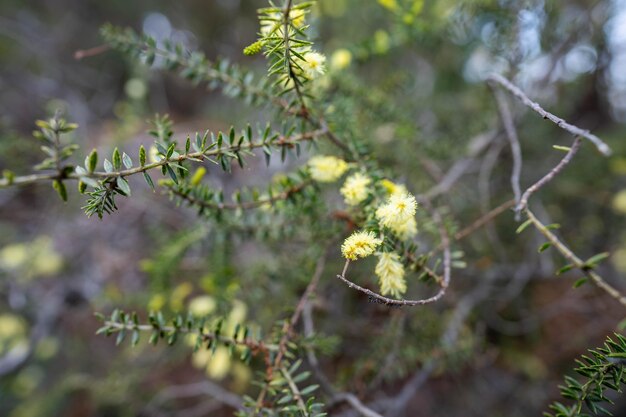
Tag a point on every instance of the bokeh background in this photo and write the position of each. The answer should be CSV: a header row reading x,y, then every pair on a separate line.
x,y
409,80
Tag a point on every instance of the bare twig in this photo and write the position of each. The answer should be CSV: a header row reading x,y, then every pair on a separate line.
x,y
511,134
549,176
483,220
574,130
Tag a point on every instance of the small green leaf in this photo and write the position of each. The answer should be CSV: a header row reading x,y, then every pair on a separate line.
x,y
170,151
123,185
566,268
60,189
108,167
171,173
128,163
545,246
91,161
142,155
523,226
596,259
579,282
117,159
148,179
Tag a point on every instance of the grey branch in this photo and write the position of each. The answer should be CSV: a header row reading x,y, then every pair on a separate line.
x,y
574,130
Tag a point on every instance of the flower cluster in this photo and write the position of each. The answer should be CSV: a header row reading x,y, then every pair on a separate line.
x,y
395,216
360,245
398,215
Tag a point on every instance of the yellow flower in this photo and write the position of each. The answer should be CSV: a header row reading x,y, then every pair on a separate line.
x,y
354,189
398,210
314,64
360,245
341,59
390,272
406,230
327,168
393,188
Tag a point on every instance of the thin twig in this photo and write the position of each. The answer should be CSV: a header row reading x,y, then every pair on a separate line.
x,y
574,130
483,220
549,176
511,134
96,50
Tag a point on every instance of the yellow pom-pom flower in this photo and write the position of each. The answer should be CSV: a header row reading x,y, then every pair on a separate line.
x,y
390,272
360,245
399,209
327,168
314,64
355,188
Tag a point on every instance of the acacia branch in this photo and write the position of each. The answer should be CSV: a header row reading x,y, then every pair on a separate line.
x,y
248,205
196,156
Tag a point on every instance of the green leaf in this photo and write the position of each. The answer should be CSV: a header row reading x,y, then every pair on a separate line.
x,y
523,226
579,282
596,259
545,246
108,167
566,268
60,189
142,156
148,179
135,337
117,159
171,173
123,185
91,161
170,151
128,163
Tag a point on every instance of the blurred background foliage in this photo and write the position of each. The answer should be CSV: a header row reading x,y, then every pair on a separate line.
x,y
405,77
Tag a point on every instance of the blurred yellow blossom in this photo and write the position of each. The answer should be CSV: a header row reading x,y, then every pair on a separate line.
x,y
340,59
327,168
355,189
